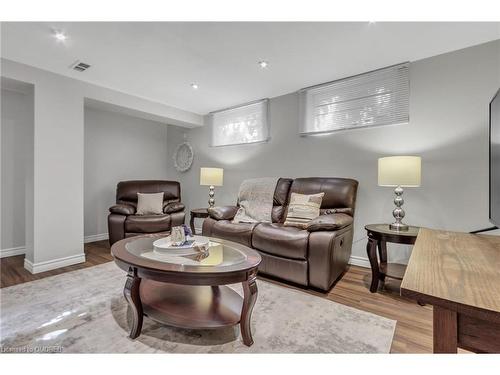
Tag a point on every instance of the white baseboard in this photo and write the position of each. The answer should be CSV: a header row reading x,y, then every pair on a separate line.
x,y
95,237
359,261
12,251
53,264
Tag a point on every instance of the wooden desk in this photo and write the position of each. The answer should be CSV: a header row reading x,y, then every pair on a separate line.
x,y
459,274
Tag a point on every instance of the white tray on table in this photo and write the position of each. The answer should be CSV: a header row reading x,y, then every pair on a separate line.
x,y
164,246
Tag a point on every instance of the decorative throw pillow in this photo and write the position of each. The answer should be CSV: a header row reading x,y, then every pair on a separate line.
x,y
302,209
149,204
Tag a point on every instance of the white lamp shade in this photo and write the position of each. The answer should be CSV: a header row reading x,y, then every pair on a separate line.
x,y
399,171
211,176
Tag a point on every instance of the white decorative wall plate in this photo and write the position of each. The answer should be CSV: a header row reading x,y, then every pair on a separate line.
x,y
183,157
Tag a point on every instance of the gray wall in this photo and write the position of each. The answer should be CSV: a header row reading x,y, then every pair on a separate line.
x,y
55,226
16,133
448,128
118,147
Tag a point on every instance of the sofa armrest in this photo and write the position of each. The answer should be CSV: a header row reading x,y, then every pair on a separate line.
x,y
329,222
223,212
116,227
122,209
173,207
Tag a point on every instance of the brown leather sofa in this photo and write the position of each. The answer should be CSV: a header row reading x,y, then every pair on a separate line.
x,y
122,221
312,257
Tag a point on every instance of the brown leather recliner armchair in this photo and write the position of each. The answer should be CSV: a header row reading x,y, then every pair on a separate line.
x,y
315,256
122,221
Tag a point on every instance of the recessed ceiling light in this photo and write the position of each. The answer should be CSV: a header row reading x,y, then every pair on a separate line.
x,y
59,35
194,86
263,64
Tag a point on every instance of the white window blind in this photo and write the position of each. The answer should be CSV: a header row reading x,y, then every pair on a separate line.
x,y
247,123
380,97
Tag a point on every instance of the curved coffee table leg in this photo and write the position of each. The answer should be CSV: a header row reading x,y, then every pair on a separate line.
x,y
249,298
131,293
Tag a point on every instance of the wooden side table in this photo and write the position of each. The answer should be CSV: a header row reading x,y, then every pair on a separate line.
x,y
378,236
197,213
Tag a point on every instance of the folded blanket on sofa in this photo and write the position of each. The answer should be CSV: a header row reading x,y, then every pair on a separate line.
x,y
255,200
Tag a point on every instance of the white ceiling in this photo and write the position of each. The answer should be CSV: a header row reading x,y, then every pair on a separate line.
x,y
159,60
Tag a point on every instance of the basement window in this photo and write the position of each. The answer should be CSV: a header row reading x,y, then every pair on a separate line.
x,y
247,123
380,97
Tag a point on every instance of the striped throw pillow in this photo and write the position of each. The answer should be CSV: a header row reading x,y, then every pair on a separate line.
x,y
302,209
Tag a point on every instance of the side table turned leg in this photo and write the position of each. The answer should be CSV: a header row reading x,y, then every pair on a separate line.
x,y
371,250
382,252
131,293
191,224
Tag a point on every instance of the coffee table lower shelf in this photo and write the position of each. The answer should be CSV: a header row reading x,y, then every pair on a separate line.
x,y
191,306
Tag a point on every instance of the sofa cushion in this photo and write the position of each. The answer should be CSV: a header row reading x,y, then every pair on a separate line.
x,y
132,234
302,209
294,270
149,204
147,223
237,232
276,239
339,192
127,190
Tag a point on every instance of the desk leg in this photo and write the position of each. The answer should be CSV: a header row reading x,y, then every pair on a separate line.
x,y
445,334
371,250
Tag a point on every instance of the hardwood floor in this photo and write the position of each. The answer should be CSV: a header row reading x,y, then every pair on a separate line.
x,y
414,323
12,269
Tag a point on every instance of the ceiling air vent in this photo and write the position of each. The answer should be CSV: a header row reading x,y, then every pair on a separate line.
x,y
80,66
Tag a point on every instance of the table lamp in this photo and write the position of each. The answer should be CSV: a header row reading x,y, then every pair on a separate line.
x,y
399,171
211,177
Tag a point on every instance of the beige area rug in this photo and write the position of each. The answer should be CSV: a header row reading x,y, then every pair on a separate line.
x,y
85,312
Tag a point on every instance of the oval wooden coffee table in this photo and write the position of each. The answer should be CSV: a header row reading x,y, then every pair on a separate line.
x,y
189,292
